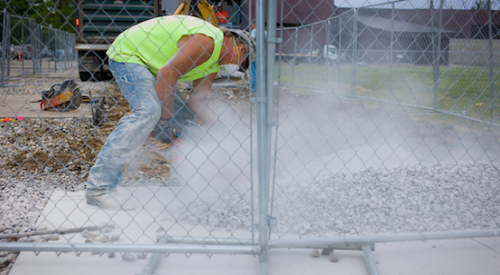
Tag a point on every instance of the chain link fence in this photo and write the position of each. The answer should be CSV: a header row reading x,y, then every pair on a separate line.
x,y
370,122
385,111
29,48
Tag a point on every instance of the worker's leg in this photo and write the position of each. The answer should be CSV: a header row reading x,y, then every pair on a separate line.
x,y
137,85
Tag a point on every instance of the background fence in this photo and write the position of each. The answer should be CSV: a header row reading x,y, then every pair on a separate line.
x,y
387,134
29,48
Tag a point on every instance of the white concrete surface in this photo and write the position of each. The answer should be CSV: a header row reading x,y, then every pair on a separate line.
x,y
463,256
26,106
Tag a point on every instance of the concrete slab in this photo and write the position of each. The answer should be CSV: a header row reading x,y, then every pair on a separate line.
x,y
27,106
463,256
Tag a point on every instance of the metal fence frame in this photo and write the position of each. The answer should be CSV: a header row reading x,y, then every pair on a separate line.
x,y
267,122
436,51
50,49
365,243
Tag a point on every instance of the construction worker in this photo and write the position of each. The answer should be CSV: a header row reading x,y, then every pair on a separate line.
x,y
222,16
147,61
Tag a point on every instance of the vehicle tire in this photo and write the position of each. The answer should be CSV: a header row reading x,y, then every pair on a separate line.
x,y
97,77
85,76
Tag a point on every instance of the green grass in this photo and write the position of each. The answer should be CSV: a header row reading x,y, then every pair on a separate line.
x,y
461,90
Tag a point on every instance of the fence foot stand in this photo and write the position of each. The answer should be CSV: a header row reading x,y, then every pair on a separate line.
x,y
154,260
370,260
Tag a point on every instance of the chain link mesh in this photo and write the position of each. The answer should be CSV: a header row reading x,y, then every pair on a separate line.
x,y
384,131
385,122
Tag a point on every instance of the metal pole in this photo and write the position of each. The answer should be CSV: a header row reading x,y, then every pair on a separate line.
x,y
271,197
295,53
7,37
65,47
434,72
55,51
155,259
371,239
340,61
271,40
33,43
325,54
252,156
492,88
310,54
354,49
23,41
145,248
345,242
391,52
262,141
370,260
4,46
438,57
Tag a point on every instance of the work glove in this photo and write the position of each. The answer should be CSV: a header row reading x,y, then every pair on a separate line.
x,y
164,130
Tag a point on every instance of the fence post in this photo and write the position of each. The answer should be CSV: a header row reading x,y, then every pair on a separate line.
x,y
5,46
55,50
391,51
262,141
492,88
310,54
438,57
434,57
340,61
7,39
354,51
33,42
21,19
325,54
295,53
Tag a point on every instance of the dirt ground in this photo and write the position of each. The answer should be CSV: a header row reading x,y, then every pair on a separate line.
x,y
72,144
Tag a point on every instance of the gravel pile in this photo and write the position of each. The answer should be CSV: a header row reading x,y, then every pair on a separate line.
x,y
406,199
22,199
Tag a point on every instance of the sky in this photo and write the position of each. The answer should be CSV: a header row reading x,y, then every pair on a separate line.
x,y
417,4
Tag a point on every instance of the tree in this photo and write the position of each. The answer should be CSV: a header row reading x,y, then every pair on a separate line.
x,y
480,5
58,14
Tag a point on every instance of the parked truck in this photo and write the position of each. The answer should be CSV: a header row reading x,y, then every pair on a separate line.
x,y
328,55
98,23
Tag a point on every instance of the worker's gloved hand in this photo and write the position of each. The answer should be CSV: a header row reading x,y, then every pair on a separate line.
x,y
164,130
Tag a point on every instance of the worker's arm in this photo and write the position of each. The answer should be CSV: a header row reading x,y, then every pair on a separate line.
x,y
193,51
198,100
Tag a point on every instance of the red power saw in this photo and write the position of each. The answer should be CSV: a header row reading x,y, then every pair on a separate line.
x,y
63,97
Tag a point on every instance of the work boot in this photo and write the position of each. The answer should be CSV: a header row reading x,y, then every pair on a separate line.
x,y
112,200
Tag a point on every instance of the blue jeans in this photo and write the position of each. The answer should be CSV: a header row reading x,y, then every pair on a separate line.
x,y
253,70
137,85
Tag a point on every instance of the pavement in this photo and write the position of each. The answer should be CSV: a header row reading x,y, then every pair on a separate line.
x,y
28,106
461,256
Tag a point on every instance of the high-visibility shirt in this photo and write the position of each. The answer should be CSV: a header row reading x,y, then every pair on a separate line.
x,y
153,43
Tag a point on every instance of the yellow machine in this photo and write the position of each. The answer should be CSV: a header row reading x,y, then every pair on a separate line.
x,y
199,8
